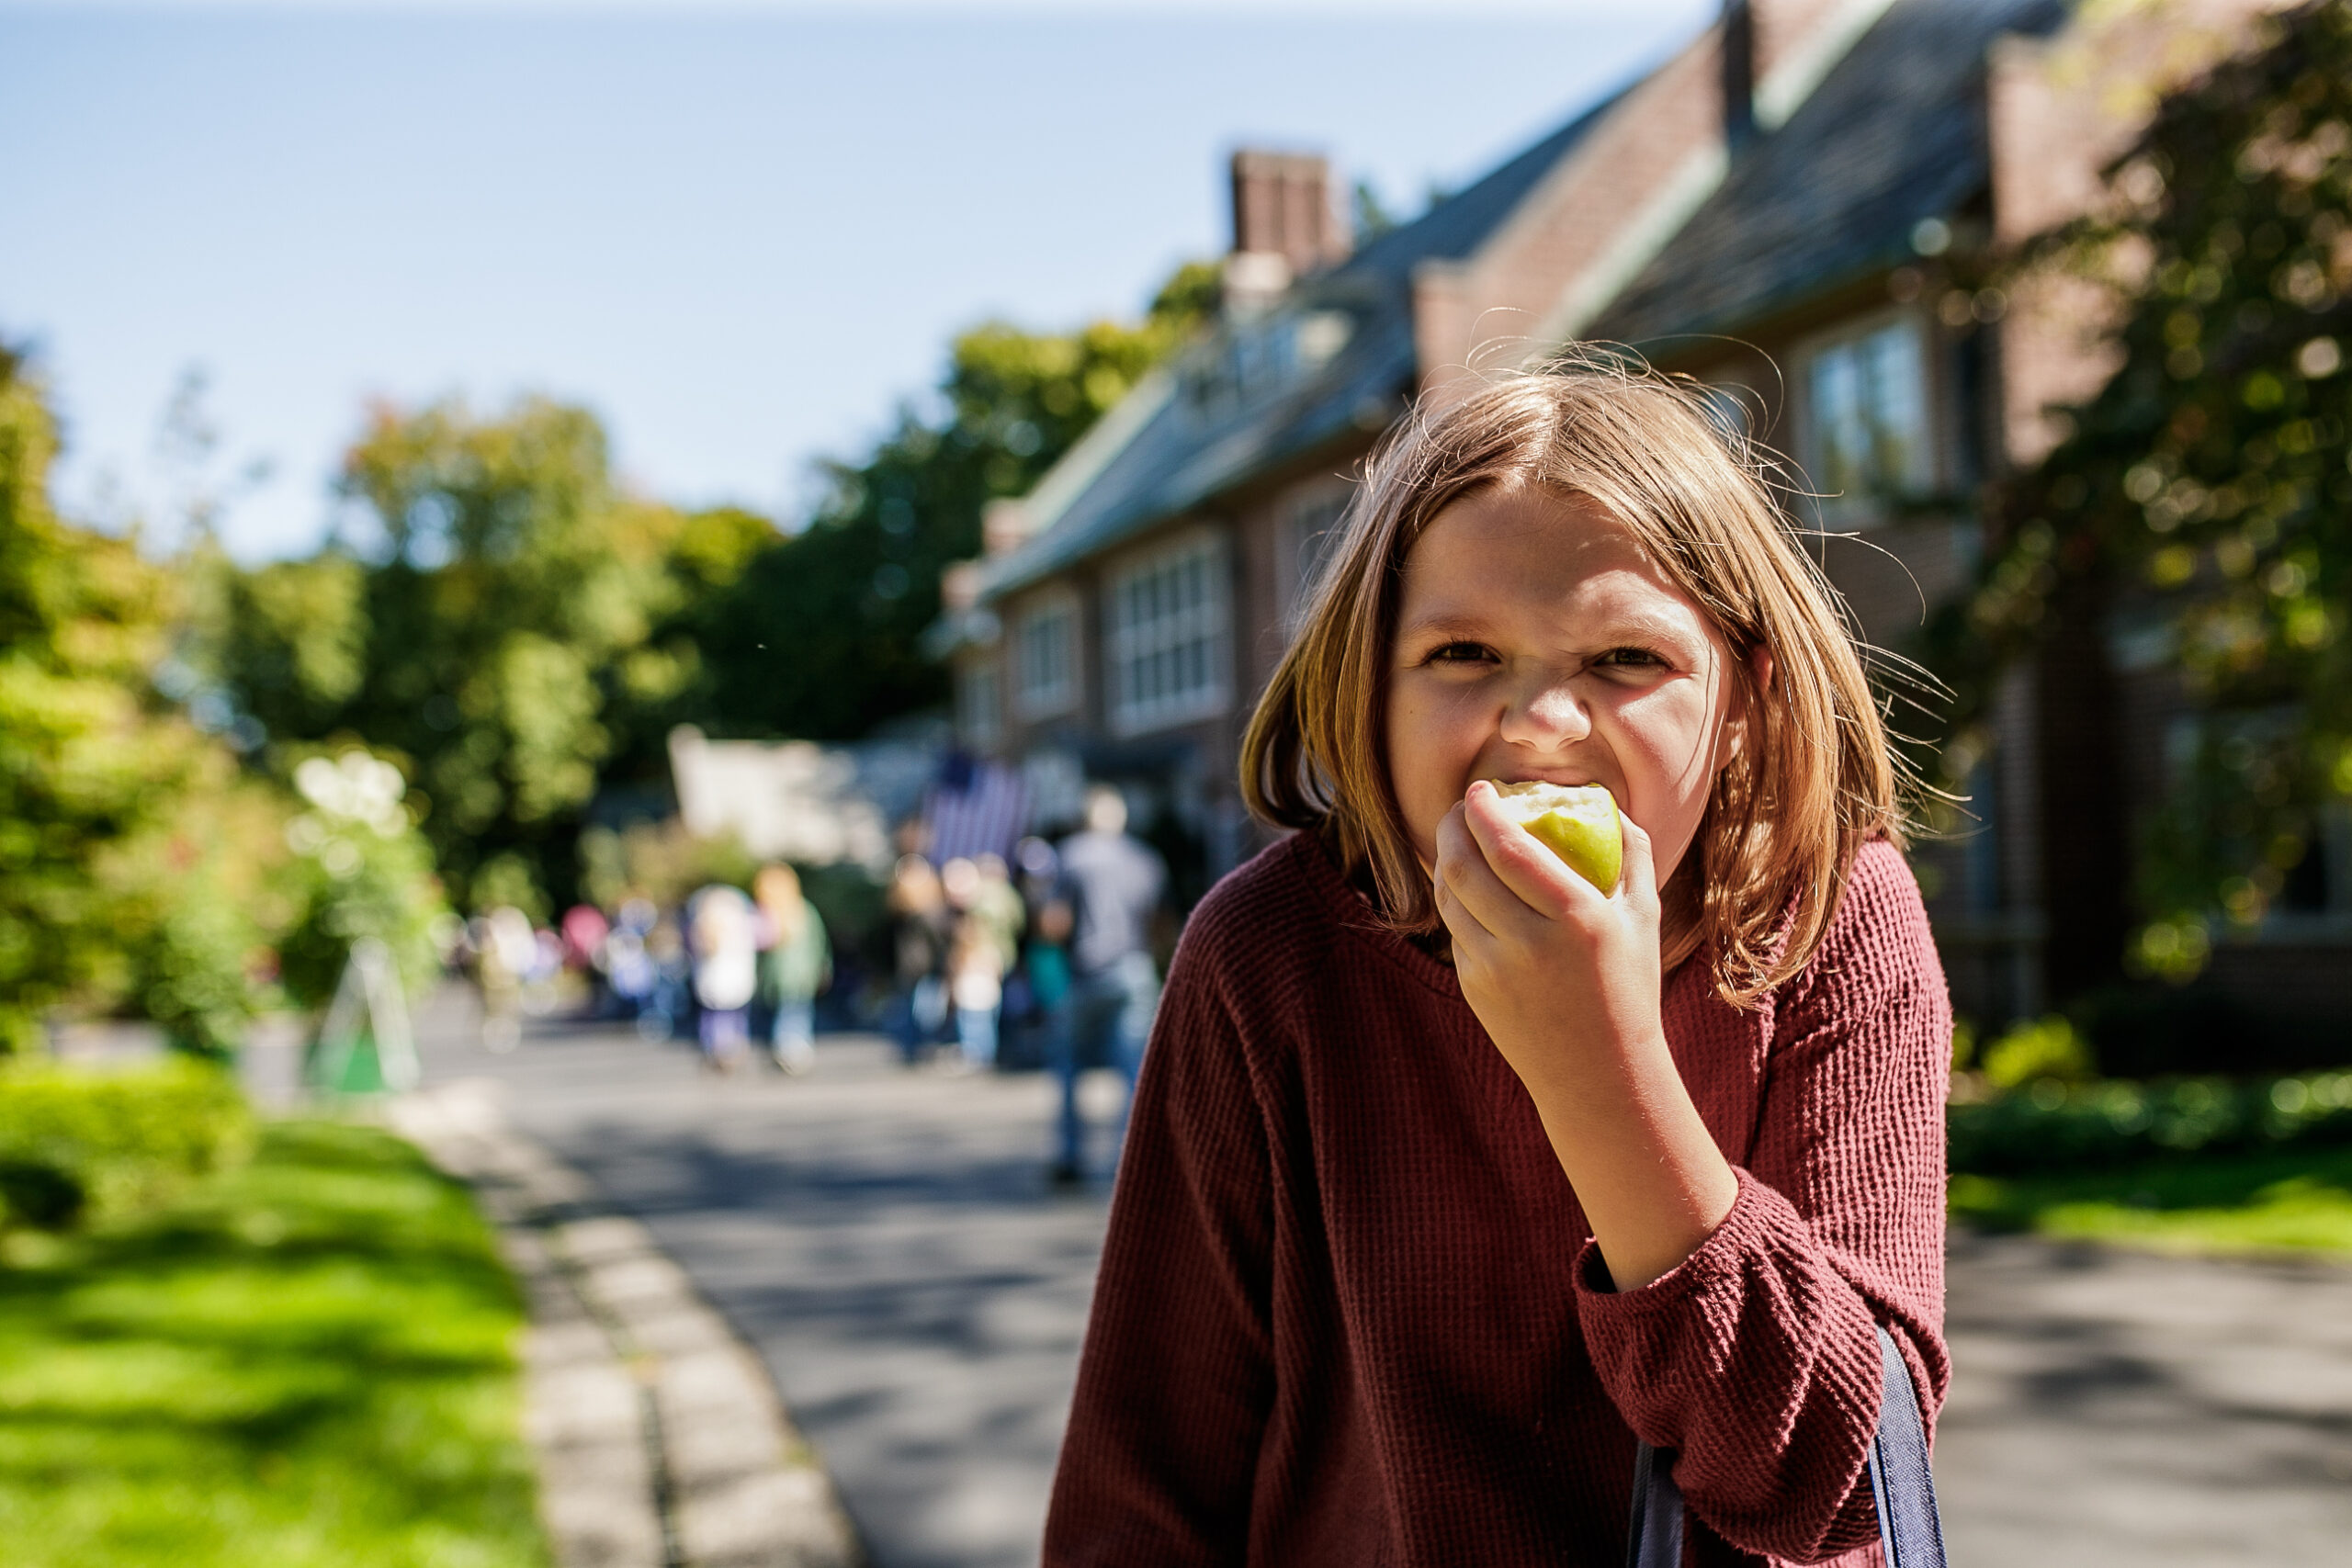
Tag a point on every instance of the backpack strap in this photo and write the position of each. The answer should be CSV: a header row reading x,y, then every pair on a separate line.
x,y
1901,1483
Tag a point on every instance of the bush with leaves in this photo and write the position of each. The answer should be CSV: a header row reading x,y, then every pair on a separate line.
x,y
125,877
2048,1126
660,861
78,1145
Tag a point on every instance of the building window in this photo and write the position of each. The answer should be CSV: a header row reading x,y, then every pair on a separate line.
x,y
1867,398
979,709
1164,641
1045,656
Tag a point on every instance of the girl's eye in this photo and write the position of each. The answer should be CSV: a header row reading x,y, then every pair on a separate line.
x,y
1459,653
1638,658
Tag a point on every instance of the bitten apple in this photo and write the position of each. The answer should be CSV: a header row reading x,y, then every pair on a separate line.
x,y
1576,822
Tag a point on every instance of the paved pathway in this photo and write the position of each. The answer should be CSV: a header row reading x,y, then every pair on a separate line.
x,y
886,1242
2121,1410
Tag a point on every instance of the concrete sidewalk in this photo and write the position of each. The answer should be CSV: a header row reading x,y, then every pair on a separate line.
x,y
886,1242
659,1440
2124,1410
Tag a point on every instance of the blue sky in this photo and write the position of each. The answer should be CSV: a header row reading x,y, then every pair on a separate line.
x,y
741,233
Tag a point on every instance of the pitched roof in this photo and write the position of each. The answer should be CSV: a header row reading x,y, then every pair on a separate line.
x,y
1894,133
1167,449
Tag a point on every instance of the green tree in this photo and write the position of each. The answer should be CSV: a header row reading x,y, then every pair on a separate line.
x,y
2208,489
506,613
131,854
819,637
671,679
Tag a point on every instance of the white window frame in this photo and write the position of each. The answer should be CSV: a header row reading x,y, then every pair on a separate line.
x,y
1038,691
1843,498
1167,633
980,701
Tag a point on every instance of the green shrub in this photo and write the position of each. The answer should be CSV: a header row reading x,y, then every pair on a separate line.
x,y
2045,1048
2052,1126
79,1146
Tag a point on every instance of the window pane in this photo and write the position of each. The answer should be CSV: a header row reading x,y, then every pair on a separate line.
x,y
1899,411
1837,409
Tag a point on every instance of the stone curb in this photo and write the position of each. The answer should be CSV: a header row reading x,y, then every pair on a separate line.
x,y
659,1440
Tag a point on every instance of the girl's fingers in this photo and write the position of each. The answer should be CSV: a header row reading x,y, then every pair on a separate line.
x,y
1459,920
1529,870
1464,874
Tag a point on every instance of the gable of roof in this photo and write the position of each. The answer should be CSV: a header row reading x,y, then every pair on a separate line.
x,y
1894,133
1160,453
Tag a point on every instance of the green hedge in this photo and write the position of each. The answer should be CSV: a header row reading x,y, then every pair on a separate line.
x,y
2051,1127
79,1146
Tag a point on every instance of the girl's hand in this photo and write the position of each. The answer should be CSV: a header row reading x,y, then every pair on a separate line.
x,y
1556,969
1568,982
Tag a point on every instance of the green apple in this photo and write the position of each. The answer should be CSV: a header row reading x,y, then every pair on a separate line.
x,y
1576,822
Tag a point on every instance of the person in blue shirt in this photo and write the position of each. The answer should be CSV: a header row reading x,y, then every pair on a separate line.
x,y
1109,886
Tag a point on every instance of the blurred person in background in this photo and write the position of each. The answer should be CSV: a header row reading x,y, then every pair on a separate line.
x,y
585,933
543,982
726,971
672,997
629,969
506,950
795,965
1045,951
1001,911
998,905
919,932
984,942
975,988
1111,883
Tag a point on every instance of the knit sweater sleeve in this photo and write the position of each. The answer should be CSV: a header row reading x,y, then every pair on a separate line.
x,y
1756,1360
1161,1455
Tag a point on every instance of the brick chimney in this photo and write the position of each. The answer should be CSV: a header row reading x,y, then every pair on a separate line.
x,y
1739,72
1283,222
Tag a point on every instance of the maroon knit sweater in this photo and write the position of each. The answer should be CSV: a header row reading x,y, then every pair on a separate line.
x,y
1349,1312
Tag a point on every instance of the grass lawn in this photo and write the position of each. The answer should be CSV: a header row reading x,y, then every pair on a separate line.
x,y
308,1361
2283,1201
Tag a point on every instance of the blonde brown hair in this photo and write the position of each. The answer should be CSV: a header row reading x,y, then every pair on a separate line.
x,y
1816,777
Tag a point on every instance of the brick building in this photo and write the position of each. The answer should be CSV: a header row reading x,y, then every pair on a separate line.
x,y
1783,209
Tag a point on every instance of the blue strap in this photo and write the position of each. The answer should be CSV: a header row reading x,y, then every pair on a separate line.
x,y
1901,1485
1656,1541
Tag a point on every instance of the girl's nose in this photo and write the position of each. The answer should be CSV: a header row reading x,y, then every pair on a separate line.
x,y
1547,716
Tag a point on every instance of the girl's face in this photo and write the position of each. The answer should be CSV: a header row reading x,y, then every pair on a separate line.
x,y
1535,640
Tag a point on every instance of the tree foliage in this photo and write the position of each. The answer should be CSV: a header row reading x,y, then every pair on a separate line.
x,y
819,636
133,857
500,618
2209,485
517,630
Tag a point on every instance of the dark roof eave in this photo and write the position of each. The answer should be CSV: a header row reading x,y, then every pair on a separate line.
x,y
1045,557
1760,317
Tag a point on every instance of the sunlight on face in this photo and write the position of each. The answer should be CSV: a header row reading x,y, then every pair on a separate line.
x,y
1535,640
